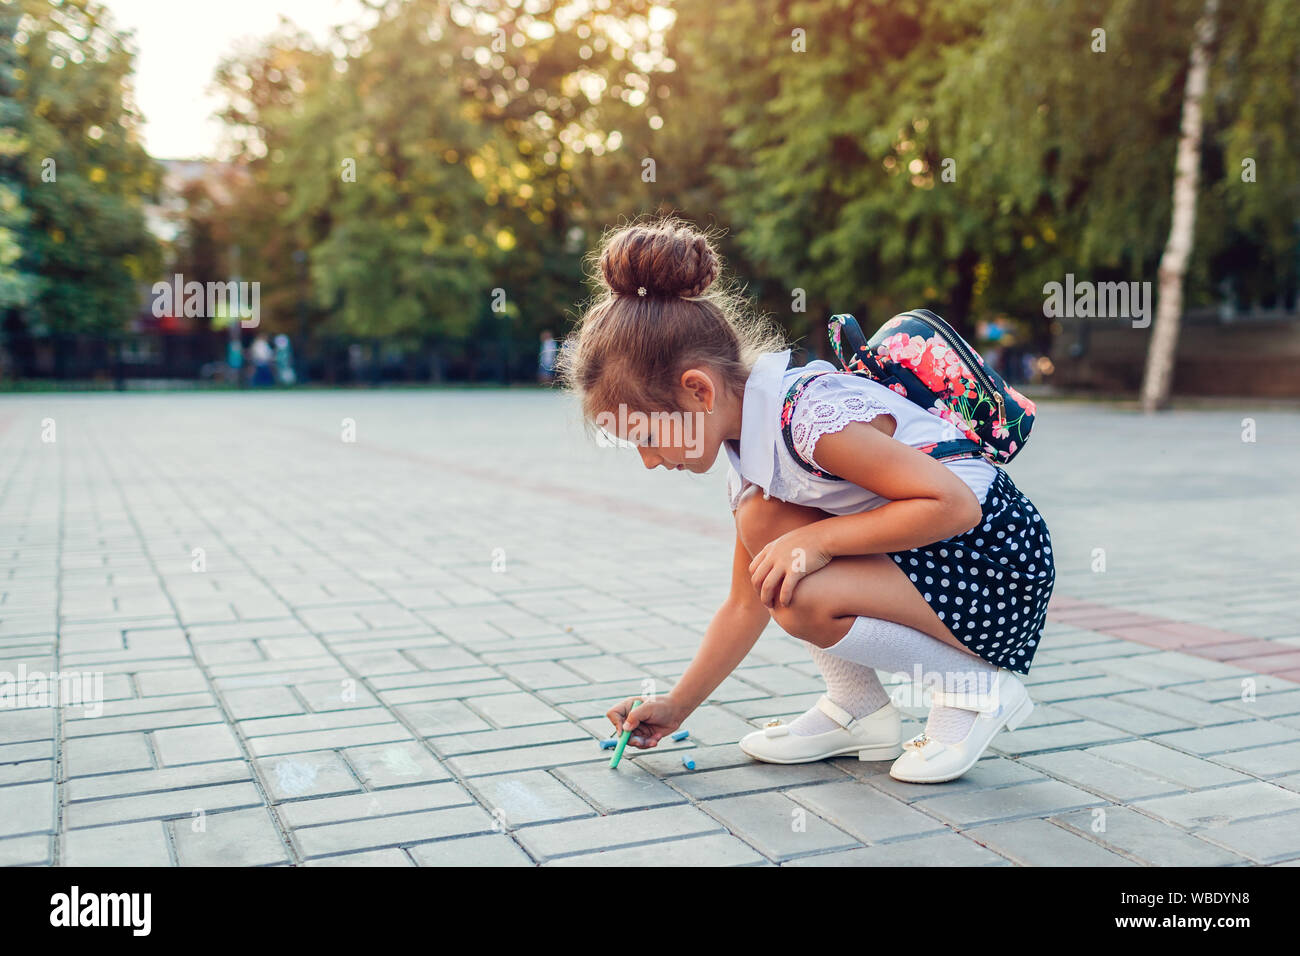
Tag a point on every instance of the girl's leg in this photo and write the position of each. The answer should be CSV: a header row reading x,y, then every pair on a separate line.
x,y
865,610
854,687
827,602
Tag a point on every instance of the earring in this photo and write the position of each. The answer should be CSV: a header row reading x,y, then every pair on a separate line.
x,y
709,410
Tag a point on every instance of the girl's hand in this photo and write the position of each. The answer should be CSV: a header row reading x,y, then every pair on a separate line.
x,y
650,722
778,568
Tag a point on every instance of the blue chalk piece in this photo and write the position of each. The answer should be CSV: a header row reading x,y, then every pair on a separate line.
x,y
609,744
681,735
688,762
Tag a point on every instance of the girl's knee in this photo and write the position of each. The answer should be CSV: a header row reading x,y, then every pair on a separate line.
x,y
810,622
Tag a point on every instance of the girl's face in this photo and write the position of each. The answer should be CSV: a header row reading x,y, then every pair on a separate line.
x,y
685,440
677,441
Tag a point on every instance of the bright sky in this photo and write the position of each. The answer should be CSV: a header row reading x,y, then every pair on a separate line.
x,y
180,43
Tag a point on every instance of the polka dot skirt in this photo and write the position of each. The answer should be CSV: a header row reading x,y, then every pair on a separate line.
x,y
991,585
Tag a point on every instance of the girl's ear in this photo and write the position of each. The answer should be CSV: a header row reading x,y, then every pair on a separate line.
x,y
699,385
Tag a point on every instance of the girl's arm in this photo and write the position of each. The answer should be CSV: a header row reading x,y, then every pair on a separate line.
x,y
733,631
927,503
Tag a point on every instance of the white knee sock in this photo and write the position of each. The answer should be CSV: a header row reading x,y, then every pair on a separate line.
x,y
854,687
897,648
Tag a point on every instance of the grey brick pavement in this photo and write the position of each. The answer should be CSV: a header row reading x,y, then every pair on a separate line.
x,y
399,651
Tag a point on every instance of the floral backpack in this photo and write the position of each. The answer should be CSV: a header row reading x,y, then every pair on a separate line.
x,y
921,357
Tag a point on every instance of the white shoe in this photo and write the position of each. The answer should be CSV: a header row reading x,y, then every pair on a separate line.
x,y
873,737
926,760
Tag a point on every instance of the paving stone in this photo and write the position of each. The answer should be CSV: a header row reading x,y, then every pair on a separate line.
x,y
527,758
1207,741
324,810
1114,781
27,808
704,784
395,765
419,666
107,754
495,849
667,763
29,771
1134,835
484,741
333,738
35,850
943,849
530,796
711,724
637,827
1040,843
987,774
627,787
144,720
261,701
182,680
330,695
1272,761
1222,805
130,844
21,726
406,829
237,838
716,850
865,812
778,826
1118,712
1183,769
511,710
1029,740
304,723
158,806
182,745
300,775
1039,799
153,781
437,718
1267,840
389,857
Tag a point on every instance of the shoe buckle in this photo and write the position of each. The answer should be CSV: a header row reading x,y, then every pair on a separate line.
x,y
927,747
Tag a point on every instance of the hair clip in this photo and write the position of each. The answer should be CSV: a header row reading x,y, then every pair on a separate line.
x,y
640,290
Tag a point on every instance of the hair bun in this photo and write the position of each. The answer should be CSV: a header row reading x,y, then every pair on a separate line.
x,y
666,259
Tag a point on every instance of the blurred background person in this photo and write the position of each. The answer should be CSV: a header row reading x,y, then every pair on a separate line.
x,y
261,355
546,359
284,360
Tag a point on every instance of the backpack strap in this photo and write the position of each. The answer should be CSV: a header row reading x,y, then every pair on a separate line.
x,y
939,451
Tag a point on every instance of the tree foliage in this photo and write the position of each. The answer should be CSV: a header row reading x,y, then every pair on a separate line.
x,y
83,175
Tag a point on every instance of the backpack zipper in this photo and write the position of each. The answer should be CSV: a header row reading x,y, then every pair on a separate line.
x,y
949,335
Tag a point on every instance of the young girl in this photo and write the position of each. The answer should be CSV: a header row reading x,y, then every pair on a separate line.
x,y
939,571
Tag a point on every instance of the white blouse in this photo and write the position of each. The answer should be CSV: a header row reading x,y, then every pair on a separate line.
x,y
828,404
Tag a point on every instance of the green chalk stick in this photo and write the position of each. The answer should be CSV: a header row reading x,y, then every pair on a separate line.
x,y
623,739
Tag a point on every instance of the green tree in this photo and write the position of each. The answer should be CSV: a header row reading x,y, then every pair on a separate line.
x,y
426,163
84,175
16,286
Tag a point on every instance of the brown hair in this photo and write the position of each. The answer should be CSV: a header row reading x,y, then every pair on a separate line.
x,y
657,313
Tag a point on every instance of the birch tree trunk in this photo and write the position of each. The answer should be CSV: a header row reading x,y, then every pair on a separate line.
x,y
1173,261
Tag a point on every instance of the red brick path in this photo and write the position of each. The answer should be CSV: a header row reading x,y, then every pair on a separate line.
x,y
1265,657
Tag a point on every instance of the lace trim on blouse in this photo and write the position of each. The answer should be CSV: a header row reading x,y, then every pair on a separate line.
x,y
814,417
